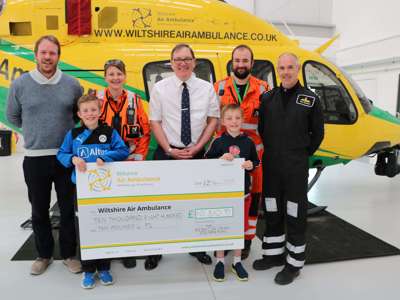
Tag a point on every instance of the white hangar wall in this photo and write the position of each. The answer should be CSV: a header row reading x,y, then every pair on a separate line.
x,y
369,47
369,43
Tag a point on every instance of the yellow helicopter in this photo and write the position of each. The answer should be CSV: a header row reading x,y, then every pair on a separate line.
x,y
142,34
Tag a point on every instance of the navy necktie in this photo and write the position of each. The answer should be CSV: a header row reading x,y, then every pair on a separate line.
x,y
186,134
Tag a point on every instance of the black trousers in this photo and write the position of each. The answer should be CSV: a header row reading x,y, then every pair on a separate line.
x,y
94,265
253,215
285,183
90,266
40,173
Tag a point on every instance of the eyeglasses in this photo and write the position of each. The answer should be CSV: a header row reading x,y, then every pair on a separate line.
x,y
186,60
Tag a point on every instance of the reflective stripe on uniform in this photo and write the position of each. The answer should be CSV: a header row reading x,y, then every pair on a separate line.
x,y
292,209
275,251
253,222
221,88
132,100
260,147
294,262
274,239
132,146
270,204
250,231
249,126
295,249
136,156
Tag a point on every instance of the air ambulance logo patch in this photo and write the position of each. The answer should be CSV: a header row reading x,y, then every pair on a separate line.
x,y
305,100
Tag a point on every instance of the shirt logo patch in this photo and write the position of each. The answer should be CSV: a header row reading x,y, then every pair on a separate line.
x,y
103,138
305,100
83,152
86,152
234,150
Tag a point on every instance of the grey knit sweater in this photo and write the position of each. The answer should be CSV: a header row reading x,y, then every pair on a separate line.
x,y
44,110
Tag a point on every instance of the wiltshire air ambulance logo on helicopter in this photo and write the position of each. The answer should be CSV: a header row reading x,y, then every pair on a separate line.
x,y
99,180
141,18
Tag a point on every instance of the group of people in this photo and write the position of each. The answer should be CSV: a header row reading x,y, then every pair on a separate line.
x,y
275,131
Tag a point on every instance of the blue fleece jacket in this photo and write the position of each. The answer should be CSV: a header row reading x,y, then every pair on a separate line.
x,y
102,142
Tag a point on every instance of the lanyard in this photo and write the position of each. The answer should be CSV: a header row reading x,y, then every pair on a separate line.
x,y
116,105
238,92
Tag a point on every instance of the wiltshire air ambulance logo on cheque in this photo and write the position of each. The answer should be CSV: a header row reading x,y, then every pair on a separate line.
x,y
141,18
305,100
99,180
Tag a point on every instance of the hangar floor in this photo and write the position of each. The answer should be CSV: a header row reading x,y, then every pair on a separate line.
x,y
351,192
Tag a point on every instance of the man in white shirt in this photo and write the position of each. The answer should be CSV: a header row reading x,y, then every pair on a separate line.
x,y
184,112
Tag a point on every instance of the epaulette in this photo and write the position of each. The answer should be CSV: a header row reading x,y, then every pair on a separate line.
x,y
267,94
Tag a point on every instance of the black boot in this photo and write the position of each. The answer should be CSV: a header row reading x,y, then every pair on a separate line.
x,y
267,262
202,257
287,275
129,262
151,262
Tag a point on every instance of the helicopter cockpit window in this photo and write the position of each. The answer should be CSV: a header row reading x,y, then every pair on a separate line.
x,y
155,71
336,101
365,102
262,69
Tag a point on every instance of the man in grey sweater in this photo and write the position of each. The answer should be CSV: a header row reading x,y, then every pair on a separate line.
x,y
42,103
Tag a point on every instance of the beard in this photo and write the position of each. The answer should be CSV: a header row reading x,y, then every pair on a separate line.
x,y
47,67
241,73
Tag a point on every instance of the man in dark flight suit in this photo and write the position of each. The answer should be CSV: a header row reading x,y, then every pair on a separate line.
x,y
291,127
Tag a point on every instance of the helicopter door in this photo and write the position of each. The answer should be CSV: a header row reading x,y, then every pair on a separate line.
x,y
78,15
336,101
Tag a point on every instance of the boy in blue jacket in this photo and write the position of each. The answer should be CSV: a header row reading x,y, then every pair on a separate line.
x,y
92,142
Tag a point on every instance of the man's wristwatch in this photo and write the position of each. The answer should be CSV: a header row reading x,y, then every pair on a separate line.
x,y
169,151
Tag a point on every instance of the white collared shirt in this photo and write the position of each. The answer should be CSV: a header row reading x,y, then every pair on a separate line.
x,y
165,106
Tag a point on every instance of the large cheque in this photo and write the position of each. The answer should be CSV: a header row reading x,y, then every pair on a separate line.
x,y
157,207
